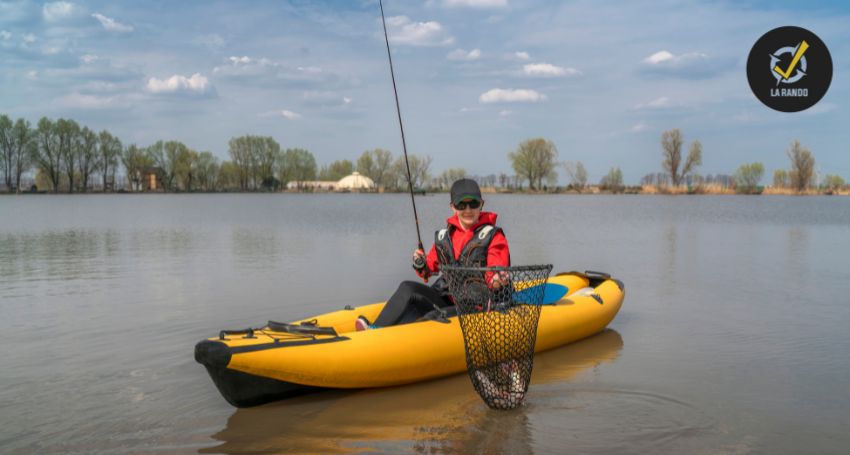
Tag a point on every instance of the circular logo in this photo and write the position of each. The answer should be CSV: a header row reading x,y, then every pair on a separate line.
x,y
789,69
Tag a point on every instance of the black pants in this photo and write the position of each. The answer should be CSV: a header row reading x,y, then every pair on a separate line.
x,y
410,301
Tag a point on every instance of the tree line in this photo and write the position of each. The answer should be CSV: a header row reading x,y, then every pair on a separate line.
x,y
68,157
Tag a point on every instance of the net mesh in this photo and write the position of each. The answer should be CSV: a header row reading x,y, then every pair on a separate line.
x,y
499,308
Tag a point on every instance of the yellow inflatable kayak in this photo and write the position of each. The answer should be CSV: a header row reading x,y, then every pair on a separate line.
x,y
280,360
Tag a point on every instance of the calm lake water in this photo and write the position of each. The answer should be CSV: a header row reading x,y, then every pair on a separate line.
x,y
733,338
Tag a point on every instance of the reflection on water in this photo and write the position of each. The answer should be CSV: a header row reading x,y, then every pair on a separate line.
x,y
56,255
443,415
256,247
798,243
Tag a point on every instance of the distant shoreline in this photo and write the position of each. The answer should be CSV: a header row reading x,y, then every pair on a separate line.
x,y
636,190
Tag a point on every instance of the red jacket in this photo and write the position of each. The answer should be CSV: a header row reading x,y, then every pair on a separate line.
x,y
497,254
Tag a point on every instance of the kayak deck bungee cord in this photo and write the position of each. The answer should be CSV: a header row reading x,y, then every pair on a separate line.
x,y
281,360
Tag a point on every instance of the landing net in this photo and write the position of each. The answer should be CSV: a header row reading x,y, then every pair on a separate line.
x,y
499,308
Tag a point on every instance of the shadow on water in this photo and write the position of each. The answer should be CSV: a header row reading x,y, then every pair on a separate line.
x,y
437,416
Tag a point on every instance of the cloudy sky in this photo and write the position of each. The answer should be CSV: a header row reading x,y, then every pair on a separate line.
x,y
602,80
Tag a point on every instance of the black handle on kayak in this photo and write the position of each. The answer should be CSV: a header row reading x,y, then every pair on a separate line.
x,y
599,275
303,329
249,333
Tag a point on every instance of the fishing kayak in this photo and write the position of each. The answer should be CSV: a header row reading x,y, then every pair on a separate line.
x,y
281,360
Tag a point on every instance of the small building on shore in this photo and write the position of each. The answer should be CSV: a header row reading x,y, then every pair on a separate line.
x,y
151,180
311,185
350,183
356,183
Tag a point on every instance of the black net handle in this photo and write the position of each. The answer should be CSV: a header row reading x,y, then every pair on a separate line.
x,y
513,268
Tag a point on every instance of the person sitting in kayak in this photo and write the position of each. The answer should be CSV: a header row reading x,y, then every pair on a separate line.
x,y
471,238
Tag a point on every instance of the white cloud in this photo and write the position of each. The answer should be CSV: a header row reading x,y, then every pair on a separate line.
x,y
89,58
548,70
498,95
111,24
196,84
287,114
521,55
346,100
505,113
460,54
659,102
658,57
638,127
247,66
475,3
403,31
29,38
265,70
56,11
5,35
667,58
690,65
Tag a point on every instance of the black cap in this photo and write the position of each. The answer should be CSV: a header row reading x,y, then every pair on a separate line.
x,y
465,189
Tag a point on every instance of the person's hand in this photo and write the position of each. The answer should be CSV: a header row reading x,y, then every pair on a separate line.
x,y
499,279
418,260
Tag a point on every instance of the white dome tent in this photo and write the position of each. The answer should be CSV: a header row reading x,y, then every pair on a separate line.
x,y
355,182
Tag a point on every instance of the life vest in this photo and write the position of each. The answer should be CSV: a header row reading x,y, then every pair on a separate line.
x,y
473,254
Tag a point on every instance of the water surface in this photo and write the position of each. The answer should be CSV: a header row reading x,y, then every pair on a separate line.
x,y
732,338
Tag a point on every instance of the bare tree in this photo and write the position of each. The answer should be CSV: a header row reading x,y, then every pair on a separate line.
x,y
87,159
296,165
135,161
832,182
613,181
671,144
16,143
377,165
336,170
68,133
47,156
535,160
268,155
206,170
419,168
109,150
748,176
256,157
6,150
366,164
577,174
780,178
449,176
802,166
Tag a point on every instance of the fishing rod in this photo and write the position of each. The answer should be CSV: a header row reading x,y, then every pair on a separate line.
x,y
401,126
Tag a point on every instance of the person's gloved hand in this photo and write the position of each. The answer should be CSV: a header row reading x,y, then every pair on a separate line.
x,y
419,261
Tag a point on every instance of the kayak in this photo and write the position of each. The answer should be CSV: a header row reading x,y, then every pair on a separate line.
x,y
281,360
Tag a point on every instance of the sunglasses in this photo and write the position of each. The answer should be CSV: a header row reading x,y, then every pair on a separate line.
x,y
473,204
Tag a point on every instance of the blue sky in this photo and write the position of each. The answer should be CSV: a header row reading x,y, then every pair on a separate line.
x,y
602,80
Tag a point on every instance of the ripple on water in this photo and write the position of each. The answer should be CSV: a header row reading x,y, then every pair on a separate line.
x,y
611,420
